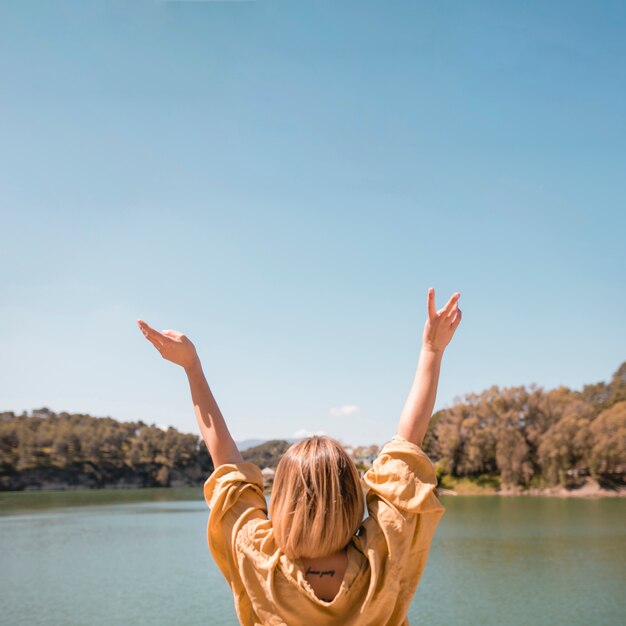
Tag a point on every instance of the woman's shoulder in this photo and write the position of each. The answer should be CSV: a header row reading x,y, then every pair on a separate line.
x,y
256,539
401,471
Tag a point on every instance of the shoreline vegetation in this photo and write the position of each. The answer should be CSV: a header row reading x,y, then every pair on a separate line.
x,y
502,441
589,488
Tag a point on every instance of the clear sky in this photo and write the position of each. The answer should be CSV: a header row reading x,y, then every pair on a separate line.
x,y
283,181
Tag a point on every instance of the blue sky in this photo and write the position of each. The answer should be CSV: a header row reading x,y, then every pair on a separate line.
x,y
283,182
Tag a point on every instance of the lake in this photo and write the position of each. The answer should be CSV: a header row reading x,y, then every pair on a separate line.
x,y
140,557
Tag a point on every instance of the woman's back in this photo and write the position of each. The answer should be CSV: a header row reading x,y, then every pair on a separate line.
x,y
384,560
325,574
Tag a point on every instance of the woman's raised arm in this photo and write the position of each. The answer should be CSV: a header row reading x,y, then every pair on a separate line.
x,y
438,331
177,348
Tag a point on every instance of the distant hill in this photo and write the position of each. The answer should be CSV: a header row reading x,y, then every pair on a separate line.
x,y
249,443
252,443
267,454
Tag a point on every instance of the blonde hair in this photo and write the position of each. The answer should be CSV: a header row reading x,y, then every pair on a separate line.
x,y
317,499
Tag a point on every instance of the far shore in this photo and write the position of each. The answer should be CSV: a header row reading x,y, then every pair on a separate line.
x,y
591,489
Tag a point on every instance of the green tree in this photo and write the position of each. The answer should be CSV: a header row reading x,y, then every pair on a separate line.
x,y
607,457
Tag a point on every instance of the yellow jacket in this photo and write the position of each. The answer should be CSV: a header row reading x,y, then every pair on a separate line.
x,y
386,556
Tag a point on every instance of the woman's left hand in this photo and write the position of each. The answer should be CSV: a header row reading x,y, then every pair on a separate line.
x,y
172,345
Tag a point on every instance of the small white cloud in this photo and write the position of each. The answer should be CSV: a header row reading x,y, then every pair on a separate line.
x,y
303,432
342,411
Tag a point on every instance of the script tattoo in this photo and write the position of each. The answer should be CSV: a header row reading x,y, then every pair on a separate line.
x,y
320,573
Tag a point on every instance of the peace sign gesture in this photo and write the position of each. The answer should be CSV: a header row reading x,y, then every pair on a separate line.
x,y
441,324
172,345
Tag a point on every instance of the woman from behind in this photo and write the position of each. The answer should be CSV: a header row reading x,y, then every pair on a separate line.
x,y
314,560
316,507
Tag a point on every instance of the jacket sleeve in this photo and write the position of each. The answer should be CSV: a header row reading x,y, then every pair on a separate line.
x,y
234,493
403,509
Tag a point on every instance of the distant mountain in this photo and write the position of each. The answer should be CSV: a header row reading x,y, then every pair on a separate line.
x,y
245,444
249,443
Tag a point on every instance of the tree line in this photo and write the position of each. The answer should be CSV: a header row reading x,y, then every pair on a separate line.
x,y
44,448
526,437
530,437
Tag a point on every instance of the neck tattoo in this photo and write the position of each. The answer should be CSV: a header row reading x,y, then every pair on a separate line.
x,y
320,573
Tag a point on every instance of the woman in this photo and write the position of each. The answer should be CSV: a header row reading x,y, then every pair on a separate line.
x,y
316,561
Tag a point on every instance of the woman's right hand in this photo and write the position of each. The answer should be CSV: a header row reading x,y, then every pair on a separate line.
x,y
440,325
172,345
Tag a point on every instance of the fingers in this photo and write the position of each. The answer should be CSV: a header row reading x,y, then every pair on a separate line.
x,y
451,302
432,312
147,330
457,319
453,310
152,335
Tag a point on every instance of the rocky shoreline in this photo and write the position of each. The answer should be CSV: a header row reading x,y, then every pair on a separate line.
x,y
590,489
148,476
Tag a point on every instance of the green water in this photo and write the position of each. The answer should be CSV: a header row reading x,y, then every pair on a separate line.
x,y
140,557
